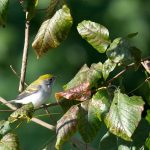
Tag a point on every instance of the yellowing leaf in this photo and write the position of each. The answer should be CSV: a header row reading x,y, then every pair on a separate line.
x,y
124,115
66,126
9,142
53,31
95,34
25,112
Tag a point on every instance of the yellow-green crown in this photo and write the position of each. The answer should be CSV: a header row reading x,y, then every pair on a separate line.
x,y
46,76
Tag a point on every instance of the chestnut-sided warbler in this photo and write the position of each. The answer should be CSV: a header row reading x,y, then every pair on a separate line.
x,y
37,92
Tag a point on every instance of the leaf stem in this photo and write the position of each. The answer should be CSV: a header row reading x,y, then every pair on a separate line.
x,y
25,55
120,73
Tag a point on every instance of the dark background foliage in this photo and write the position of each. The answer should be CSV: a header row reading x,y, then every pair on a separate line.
x,y
119,16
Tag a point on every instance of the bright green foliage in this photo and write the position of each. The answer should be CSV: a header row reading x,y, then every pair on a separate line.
x,y
95,34
86,74
25,112
3,11
99,105
53,31
90,120
119,51
124,115
108,67
9,142
66,126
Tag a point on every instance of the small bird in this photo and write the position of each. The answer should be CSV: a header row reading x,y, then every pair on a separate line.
x,y
37,92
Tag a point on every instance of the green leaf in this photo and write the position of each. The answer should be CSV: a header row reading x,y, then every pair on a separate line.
x,y
4,127
88,126
86,74
53,6
9,142
3,11
53,31
65,104
148,116
66,126
30,7
139,137
136,54
95,34
90,119
147,143
119,51
131,35
124,115
99,105
107,141
108,67
25,112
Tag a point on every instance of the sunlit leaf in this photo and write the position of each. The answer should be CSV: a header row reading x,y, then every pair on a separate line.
x,y
89,120
4,127
88,127
3,11
53,6
116,143
66,126
80,93
99,104
9,142
124,115
119,51
95,34
86,74
146,65
53,31
29,6
147,143
25,112
108,67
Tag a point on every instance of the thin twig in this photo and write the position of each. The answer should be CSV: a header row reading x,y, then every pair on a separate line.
x,y
120,73
36,120
25,55
14,71
49,105
140,85
6,110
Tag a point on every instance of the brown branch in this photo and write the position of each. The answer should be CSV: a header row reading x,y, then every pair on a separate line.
x,y
50,105
25,55
120,73
36,120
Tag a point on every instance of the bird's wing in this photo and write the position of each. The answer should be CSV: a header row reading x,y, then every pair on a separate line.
x,y
31,89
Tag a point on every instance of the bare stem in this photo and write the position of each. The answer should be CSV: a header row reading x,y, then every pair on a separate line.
x,y
14,71
120,73
36,120
25,55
